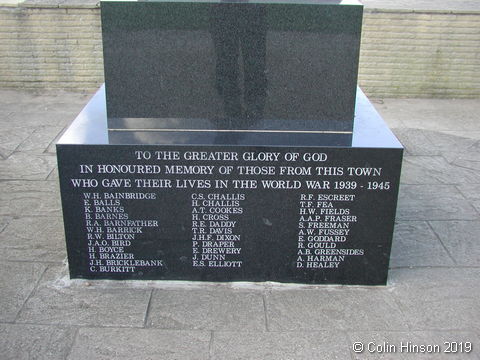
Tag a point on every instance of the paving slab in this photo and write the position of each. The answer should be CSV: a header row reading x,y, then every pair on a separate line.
x,y
52,147
28,342
4,220
29,198
11,138
432,114
438,298
42,118
415,244
13,96
222,309
141,344
435,170
412,345
41,100
469,159
33,239
17,281
461,239
450,146
55,304
4,116
391,121
415,142
276,345
54,176
32,111
472,193
40,140
27,166
334,308
475,135
433,202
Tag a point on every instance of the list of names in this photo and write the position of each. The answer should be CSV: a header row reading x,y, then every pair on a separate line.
x,y
324,227
111,232
216,242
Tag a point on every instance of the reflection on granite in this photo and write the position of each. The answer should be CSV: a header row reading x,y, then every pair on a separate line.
x,y
90,127
220,124
254,138
232,63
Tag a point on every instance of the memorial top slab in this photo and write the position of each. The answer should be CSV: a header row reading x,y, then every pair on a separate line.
x,y
370,131
231,65
316,2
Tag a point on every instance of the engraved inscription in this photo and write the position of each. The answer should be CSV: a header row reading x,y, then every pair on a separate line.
x,y
200,213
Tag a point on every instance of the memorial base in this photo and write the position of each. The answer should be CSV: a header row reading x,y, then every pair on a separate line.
x,y
288,209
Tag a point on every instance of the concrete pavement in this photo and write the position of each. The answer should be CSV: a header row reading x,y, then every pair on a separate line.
x,y
432,295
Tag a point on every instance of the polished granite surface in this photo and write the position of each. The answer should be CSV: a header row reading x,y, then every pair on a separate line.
x,y
231,65
90,128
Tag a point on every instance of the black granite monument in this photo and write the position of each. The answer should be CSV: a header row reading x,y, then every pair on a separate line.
x,y
230,143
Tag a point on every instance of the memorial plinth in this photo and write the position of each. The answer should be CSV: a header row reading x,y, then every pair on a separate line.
x,y
263,208
230,143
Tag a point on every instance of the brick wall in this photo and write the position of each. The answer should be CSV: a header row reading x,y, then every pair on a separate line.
x,y
51,48
404,53
408,54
